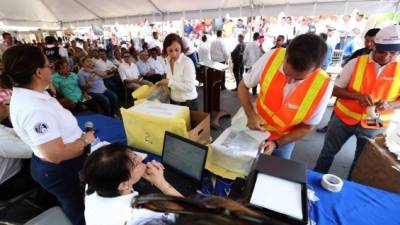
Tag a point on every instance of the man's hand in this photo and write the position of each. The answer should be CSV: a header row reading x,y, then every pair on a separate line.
x,y
382,106
255,122
268,147
364,100
89,84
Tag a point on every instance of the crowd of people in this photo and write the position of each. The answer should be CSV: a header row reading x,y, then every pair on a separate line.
x,y
42,85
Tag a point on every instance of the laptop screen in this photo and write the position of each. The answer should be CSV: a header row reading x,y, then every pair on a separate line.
x,y
278,195
184,155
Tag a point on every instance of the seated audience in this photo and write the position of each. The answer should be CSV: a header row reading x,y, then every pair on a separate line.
x,y
181,74
110,173
158,60
105,65
91,81
147,67
129,73
117,58
67,86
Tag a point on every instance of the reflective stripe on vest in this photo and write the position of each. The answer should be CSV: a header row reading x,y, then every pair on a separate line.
x,y
384,87
316,83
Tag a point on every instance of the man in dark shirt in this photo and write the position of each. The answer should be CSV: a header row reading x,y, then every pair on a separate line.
x,y
369,42
237,60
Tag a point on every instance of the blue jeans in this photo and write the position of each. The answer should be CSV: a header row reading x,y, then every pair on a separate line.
x,y
337,134
285,151
108,102
62,180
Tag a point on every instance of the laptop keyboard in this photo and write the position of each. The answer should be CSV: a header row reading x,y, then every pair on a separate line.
x,y
182,184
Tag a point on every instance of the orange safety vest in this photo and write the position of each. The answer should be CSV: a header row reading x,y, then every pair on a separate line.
x,y
364,80
281,117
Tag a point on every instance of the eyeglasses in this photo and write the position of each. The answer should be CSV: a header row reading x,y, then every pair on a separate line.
x,y
184,206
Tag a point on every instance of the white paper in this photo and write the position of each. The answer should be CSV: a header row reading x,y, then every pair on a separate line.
x,y
278,195
157,109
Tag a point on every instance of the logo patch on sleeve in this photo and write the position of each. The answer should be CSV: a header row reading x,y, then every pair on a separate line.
x,y
41,128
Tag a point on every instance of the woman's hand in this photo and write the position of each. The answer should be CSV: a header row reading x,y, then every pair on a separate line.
x,y
89,136
162,82
155,174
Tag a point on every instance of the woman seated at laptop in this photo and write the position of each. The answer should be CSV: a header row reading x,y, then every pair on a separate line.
x,y
110,172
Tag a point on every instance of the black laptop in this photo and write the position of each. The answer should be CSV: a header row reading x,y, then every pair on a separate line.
x,y
184,162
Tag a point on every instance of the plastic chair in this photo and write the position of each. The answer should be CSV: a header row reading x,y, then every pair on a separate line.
x,y
51,216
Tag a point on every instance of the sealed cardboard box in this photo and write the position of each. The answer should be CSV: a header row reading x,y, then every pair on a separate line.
x,y
145,129
377,167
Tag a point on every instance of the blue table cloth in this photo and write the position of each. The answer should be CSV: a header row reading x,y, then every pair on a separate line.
x,y
356,204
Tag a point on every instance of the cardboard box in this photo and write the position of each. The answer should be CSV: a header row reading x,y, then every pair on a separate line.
x,y
377,167
146,131
200,131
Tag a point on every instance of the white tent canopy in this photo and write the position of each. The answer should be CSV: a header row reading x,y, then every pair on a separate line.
x,y
55,13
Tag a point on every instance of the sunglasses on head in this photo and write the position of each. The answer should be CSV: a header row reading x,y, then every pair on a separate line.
x,y
184,206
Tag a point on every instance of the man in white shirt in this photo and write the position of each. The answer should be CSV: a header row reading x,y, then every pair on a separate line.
x,y
252,53
189,50
155,41
14,177
111,81
366,83
204,50
158,61
219,53
129,73
7,42
288,79
147,68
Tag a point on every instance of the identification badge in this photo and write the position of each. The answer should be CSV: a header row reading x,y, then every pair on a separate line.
x,y
292,106
387,78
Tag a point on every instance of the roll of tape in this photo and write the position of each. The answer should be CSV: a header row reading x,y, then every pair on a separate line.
x,y
332,183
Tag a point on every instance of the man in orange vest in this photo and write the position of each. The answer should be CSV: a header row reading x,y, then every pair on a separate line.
x,y
294,93
368,91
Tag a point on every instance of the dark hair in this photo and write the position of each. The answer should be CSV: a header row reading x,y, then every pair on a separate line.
x,y
59,63
256,36
169,39
50,40
306,51
240,36
324,36
106,168
102,50
281,37
6,34
219,33
204,38
20,64
372,32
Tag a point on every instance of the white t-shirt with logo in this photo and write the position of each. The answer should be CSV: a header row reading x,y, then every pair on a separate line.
x,y
117,211
39,118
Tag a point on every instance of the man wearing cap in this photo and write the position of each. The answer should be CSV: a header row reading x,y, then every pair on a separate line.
x,y
369,84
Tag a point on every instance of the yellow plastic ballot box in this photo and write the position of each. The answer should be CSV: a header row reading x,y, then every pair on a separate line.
x,y
145,125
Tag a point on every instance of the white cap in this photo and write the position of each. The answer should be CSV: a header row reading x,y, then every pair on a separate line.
x,y
152,45
388,38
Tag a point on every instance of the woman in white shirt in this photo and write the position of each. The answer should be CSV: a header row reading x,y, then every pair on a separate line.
x,y
181,74
51,131
110,172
